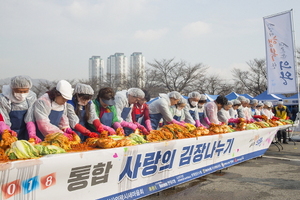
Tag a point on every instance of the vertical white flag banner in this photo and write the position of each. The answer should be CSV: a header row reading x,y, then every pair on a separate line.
x,y
280,54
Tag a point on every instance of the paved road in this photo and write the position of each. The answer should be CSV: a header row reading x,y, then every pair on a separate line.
x,y
274,176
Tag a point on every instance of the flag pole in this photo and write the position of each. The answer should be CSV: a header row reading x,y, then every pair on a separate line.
x,y
295,58
296,64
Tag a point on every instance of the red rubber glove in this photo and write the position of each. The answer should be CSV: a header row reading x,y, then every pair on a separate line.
x,y
257,116
93,135
84,131
98,125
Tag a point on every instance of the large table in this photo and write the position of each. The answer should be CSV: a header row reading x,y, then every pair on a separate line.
x,y
130,172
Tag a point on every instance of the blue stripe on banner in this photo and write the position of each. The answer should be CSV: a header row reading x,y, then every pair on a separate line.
x,y
163,184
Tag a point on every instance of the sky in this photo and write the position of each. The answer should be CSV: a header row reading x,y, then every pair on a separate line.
x,y
54,39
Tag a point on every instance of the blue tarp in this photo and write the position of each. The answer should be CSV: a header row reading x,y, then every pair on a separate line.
x,y
281,96
234,95
293,97
265,96
211,97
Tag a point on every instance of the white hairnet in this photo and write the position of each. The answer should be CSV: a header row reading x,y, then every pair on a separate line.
x,y
236,102
194,95
247,100
229,103
20,82
260,104
280,102
268,103
174,94
182,100
203,97
253,101
136,92
241,98
81,88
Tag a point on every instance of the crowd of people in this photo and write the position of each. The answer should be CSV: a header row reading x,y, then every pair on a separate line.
x,y
66,110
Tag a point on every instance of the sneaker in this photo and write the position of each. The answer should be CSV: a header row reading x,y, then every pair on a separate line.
x,y
285,142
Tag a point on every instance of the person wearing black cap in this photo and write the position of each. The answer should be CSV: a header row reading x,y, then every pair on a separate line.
x,y
105,109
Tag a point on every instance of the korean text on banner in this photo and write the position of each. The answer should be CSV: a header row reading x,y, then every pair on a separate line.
x,y
280,54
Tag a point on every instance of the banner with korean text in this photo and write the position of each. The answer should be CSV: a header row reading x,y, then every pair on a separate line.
x,y
280,54
129,172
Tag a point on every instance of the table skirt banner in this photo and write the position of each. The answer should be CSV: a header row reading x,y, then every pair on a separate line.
x,y
129,172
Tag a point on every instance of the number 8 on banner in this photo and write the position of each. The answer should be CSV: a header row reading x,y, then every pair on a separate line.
x,y
11,189
48,180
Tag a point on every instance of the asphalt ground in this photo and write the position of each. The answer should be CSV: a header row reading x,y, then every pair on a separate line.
x,y
275,175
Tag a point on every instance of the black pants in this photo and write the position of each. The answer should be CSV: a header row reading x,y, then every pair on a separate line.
x,y
281,134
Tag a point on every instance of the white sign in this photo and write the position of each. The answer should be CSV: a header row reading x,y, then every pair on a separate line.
x,y
129,172
280,54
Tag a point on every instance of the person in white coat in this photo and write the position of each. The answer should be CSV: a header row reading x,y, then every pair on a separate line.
x,y
51,113
191,109
248,112
160,109
253,104
178,110
82,114
201,111
242,109
233,110
223,114
16,108
267,110
259,108
124,102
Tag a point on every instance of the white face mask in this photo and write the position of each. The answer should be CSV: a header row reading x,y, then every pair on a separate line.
x,y
20,96
82,103
194,103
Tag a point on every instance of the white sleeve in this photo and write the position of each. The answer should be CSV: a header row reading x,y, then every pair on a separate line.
x,y
73,118
5,108
119,106
164,109
93,114
188,116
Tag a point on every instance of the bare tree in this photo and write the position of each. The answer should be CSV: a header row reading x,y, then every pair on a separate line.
x,y
136,79
42,87
117,82
176,76
253,80
213,84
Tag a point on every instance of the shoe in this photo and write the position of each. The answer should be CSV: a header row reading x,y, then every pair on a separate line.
x,y
285,142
